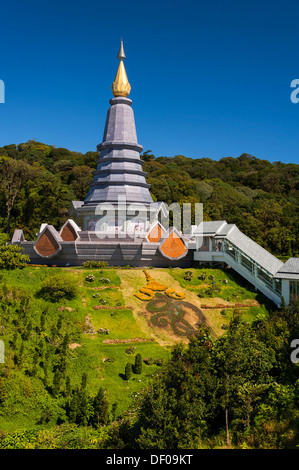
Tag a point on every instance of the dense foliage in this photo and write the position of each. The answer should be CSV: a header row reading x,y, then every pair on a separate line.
x,y
238,390
57,287
241,389
11,257
259,196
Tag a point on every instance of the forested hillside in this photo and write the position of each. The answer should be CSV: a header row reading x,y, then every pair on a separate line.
x,y
38,183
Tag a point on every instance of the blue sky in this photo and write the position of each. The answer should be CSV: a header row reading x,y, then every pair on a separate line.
x,y
209,78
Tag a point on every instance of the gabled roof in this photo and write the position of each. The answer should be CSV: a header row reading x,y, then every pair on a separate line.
x,y
18,236
76,204
290,270
254,251
209,228
221,229
224,230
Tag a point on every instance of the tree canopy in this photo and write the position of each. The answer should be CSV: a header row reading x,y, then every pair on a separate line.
x,y
39,181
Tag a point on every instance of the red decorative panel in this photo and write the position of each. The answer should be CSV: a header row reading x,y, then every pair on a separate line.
x,y
46,245
68,233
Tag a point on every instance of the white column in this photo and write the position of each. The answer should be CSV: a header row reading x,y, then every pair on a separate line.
x,y
285,290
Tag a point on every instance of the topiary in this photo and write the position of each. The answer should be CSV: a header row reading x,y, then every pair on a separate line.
x,y
128,371
138,364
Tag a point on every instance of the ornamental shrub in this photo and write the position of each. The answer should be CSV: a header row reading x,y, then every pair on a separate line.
x,y
188,275
128,371
55,288
12,258
138,364
105,280
92,264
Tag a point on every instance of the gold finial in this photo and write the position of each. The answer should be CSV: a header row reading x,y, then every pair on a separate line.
x,y
121,85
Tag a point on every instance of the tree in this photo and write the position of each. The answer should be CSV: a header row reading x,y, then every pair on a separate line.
x,y
100,409
12,258
57,287
128,371
138,364
13,174
249,393
240,358
56,382
80,405
173,410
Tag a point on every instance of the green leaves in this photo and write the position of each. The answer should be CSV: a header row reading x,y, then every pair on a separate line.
x,y
55,288
12,258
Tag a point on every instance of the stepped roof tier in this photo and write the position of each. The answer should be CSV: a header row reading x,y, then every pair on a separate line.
x,y
119,172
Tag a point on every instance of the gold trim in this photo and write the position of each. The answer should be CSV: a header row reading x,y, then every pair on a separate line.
x,y
121,85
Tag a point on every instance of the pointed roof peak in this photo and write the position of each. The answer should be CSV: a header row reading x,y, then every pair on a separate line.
x,y
121,53
121,85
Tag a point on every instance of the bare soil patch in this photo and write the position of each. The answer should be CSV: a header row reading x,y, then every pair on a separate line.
x,y
75,345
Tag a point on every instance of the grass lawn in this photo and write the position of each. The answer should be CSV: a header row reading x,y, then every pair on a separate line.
x,y
125,317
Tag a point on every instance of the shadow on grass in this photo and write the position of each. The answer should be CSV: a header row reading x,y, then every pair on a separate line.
x,y
122,376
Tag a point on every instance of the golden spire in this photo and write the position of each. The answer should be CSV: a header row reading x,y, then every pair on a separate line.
x,y
121,85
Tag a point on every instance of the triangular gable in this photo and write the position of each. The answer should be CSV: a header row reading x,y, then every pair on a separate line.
x,y
48,241
69,231
18,236
173,245
155,232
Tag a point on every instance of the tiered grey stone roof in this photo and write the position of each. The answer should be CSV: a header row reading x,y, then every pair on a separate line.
x,y
290,270
119,171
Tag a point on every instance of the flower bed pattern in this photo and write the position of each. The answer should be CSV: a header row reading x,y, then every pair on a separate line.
x,y
131,340
148,292
227,306
106,307
169,313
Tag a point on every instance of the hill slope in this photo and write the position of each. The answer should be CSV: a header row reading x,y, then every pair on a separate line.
x,y
262,198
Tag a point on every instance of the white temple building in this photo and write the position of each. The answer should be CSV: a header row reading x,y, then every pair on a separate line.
x,y
132,233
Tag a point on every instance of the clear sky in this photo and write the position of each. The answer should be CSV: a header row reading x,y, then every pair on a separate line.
x,y
209,78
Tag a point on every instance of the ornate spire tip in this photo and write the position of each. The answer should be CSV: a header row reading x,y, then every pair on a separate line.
x,y
121,85
121,53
